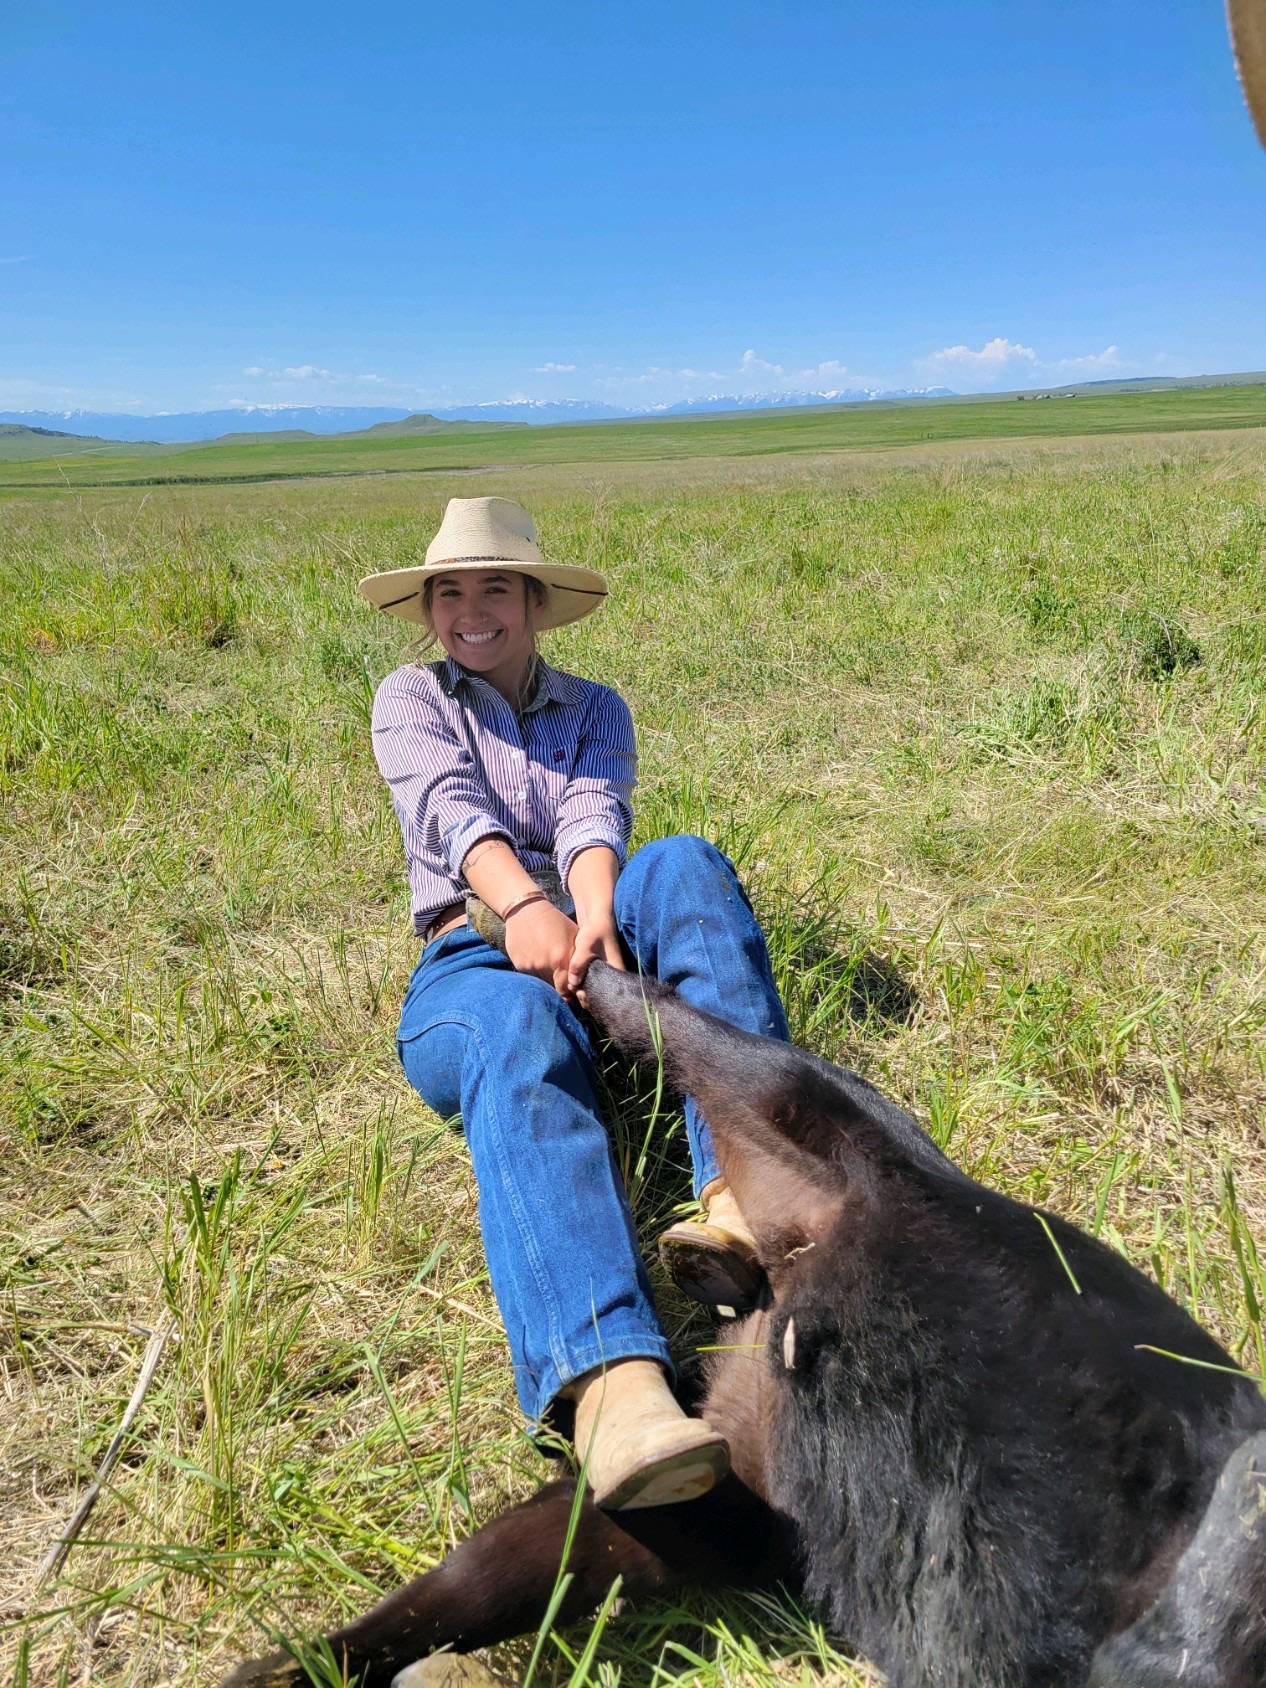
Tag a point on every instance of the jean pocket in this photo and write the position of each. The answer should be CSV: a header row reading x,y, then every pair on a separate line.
x,y
409,1031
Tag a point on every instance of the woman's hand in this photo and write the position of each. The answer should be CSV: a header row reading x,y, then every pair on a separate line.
x,y
541,939
596,940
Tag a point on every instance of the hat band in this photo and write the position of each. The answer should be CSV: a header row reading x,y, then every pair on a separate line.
x,y
552,585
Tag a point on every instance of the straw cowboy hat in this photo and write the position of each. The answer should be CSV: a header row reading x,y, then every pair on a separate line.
x,y
482,533
1248,36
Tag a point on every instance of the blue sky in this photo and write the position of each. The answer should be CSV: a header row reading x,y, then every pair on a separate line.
x,y
203,205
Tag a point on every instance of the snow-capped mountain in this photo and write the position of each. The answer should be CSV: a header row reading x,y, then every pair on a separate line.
x,y
185,427
532,410
543,411
779,401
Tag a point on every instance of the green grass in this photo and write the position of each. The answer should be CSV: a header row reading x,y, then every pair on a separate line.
x,y
865,427
987,736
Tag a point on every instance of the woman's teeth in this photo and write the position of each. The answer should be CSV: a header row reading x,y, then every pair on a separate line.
x,y
476,638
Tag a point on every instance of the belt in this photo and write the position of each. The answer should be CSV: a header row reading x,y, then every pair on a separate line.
x,y
441,919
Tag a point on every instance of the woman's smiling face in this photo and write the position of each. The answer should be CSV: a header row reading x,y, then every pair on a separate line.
x,y
486,621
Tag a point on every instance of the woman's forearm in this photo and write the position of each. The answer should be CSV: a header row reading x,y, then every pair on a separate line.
x,y
591,882
592,885
495,873
540,939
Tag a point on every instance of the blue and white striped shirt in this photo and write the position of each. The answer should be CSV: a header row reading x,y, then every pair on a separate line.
x,y
463,766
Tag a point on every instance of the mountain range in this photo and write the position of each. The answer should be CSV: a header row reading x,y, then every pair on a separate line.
x,y
243,423
185,427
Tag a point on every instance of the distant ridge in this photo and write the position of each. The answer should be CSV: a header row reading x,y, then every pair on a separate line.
x,y
808,430
20,431
554,412
244,423
19,442
252,436
186,427
19,428
423,422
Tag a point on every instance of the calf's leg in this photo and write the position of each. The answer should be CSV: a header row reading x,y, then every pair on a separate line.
x,y
498,1584
1208,1629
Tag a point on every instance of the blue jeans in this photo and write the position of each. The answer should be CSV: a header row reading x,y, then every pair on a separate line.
x,y
505,1051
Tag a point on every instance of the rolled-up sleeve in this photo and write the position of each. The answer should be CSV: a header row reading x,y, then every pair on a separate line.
x,y
439,795
597,806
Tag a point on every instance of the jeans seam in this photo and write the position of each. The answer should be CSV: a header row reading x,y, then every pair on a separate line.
x,y
557,1356
530,1252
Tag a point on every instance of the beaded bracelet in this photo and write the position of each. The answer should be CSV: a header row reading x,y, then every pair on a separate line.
x,y
532,897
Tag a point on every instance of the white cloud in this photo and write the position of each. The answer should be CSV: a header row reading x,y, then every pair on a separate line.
x,y
831,371
655,373
1001,359
750,360
19,392
311,372
24,259
995,355
997,364
751,374
1094,362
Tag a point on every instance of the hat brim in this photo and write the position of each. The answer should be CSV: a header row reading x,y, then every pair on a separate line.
x,y
1247,19
571,593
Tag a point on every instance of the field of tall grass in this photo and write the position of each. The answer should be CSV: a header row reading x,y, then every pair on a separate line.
x,y
987,737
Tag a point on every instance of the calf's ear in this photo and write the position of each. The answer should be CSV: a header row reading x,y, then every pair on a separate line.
x,y
789,1197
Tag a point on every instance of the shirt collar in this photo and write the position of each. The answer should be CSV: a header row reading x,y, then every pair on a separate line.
x,y
552,686
451,675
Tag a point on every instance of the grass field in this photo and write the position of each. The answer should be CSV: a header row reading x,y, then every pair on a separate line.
x,y
987,735
863,427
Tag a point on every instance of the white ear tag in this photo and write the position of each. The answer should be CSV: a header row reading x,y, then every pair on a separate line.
x,y
789,1345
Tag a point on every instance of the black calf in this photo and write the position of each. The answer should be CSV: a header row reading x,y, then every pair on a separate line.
x,y
963,1435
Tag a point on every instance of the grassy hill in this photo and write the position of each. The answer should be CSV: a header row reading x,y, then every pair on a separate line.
x,y
424,423
18,443
864,427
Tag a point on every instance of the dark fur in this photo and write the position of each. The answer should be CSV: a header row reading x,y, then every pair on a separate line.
x,y
976,1470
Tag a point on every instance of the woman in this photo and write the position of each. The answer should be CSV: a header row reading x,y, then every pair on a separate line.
x,y
502,768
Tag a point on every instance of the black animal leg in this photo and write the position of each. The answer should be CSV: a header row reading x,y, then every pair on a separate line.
x,y
1208,1629
499,1583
